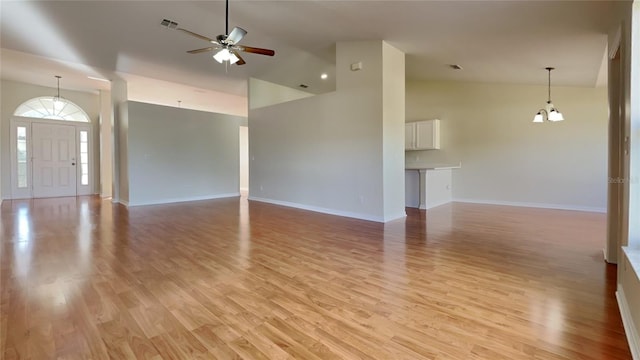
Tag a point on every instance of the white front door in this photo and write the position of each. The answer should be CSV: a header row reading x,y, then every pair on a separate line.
x,y
54,160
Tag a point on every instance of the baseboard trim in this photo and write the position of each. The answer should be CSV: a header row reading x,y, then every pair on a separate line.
x,y
629,327
434,205
533,205
327,211
607,260
122,202
179,200
395,217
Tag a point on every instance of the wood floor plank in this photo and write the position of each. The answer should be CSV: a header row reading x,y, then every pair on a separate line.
x,y
180,345
124,339
217,339
83,278
247,350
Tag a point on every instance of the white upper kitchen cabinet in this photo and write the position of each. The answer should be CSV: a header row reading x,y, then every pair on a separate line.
x,y
422,135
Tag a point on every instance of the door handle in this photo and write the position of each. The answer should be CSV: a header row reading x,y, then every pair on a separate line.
x,y
73,164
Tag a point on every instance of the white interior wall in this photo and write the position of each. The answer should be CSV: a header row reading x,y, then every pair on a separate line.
x,y
393,119
15,93
629,268
181,155
505,157
633,106
325,152
264,93
106,137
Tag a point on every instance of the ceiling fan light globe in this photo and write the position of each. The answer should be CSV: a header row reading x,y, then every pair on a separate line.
x,y
222,55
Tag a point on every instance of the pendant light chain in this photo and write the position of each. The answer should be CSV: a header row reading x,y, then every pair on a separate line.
x,y
58,77
226,22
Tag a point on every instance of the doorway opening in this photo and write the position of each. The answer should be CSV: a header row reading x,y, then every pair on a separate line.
x,y
244,161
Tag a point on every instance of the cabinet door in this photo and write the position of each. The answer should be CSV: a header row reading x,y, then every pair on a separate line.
x,y
409,136
427,134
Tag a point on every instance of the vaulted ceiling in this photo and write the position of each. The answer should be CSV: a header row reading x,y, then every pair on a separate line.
x,y
494,41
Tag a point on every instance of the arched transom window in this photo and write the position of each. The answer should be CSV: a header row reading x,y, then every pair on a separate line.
x,y
47,107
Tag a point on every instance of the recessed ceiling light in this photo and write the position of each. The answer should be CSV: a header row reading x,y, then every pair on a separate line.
x,y
99,79
324,76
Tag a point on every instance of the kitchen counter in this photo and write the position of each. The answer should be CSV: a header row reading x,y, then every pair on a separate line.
x,y
431,187
432,166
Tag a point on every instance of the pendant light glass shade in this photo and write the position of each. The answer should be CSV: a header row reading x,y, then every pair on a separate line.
x,y
58,104
538,118
555,115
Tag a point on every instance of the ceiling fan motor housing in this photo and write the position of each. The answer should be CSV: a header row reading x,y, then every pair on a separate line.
x,y
222,39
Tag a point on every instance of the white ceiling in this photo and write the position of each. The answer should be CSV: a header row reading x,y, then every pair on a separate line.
x,y
495,41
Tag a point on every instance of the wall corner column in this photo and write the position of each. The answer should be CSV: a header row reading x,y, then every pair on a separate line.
x,y
120,128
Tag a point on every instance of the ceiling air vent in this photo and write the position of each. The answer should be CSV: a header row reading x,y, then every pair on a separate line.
x,y
169,24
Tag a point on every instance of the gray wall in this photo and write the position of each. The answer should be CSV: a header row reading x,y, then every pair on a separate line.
x,y
120,139
180,155
505,157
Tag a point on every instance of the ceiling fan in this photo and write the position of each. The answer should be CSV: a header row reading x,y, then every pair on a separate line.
x,y
227,44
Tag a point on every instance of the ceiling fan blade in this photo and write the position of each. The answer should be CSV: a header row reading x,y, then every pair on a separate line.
x,y
198,51
240,59
255,50
236,35
197,35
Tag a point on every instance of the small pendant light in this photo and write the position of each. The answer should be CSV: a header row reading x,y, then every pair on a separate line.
x,y
549,112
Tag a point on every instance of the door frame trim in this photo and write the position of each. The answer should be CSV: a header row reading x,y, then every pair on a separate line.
x,y
16,193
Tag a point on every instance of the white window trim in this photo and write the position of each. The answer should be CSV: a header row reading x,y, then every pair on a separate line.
x,y
86,119
84,189
16,192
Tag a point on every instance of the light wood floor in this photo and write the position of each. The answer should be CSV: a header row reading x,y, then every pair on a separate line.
x,y
230,279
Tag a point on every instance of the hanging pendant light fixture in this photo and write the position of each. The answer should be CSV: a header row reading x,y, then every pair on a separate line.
x,y
549,112
58,102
